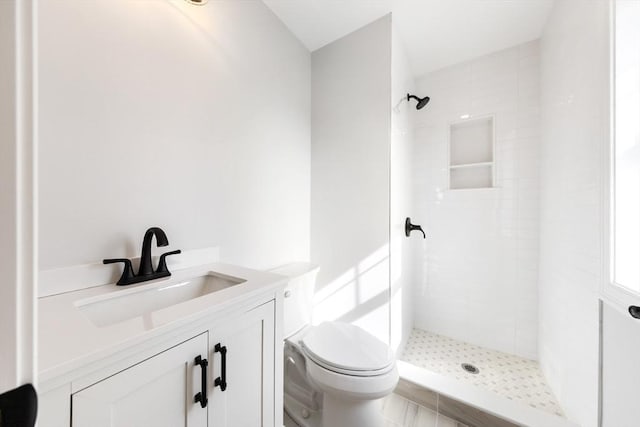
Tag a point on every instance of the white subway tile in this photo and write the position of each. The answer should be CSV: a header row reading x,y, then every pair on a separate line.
x,y
483,244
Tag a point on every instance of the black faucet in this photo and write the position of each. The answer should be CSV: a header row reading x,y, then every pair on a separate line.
x,y
145,271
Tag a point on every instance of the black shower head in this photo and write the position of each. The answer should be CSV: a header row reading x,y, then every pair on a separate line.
x,y
421,101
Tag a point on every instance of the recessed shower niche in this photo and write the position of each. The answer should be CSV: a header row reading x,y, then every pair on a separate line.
x,y
471,154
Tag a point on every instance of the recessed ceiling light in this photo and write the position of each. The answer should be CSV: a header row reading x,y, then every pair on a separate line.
x,y
197,2
465,116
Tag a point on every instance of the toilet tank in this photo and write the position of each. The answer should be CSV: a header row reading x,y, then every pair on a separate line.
x,y
298,295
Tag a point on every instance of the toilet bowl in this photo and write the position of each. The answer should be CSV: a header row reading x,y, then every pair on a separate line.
x,y
336,373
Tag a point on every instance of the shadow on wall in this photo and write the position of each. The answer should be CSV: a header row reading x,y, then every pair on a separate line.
x,y
359,296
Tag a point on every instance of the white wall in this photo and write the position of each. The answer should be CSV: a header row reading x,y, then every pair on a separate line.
x,y
574,111
476,273
351,86
8,255
161,113
17,211
401,184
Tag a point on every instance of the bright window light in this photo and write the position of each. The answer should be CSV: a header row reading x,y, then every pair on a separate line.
x,y
626,153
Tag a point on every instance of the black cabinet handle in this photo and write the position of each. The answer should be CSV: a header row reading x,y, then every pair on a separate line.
x,y
202,395
221,381
634,311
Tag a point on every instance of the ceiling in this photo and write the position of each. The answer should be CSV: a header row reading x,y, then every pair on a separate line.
x,y
436,33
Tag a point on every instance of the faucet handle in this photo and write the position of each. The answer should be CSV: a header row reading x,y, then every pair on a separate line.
x,y
162,262
408,228
127,272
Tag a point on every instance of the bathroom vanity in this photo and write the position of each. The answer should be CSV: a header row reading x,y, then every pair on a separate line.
x,y
200,348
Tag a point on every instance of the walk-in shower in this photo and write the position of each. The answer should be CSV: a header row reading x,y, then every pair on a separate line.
x,y
475,172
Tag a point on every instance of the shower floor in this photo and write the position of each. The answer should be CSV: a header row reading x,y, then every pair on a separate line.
x,y
510,376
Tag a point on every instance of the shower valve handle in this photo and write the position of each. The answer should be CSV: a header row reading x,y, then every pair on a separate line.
x,y
408,228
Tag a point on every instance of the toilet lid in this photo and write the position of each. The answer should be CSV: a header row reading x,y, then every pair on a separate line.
x,y
344,347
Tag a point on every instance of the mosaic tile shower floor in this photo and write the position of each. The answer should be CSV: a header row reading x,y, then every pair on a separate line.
x,y
507,375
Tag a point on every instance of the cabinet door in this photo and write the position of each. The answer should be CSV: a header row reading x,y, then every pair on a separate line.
x,y
157,392
248,400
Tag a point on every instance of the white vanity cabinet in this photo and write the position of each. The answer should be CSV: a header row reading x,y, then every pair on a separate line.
x,y
156,392
154,382
249,342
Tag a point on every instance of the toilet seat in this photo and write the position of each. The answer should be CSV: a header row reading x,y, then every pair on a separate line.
x,y
347,349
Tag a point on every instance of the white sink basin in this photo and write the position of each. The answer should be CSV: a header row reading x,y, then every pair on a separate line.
x,y
145,299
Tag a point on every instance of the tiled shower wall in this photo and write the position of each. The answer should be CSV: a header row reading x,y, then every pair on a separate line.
x,y
477,270
574,89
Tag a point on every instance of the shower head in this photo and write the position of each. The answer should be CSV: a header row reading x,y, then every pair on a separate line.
x,y
421,101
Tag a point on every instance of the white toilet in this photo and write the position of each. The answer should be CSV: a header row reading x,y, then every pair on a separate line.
x,y
335,374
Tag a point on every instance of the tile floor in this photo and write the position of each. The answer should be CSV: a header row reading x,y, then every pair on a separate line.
x,y
510,376
400,412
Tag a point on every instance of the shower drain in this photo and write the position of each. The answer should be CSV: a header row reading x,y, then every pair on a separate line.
x,y
468,367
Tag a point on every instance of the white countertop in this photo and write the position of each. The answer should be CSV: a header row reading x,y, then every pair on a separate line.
x,y
68,339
